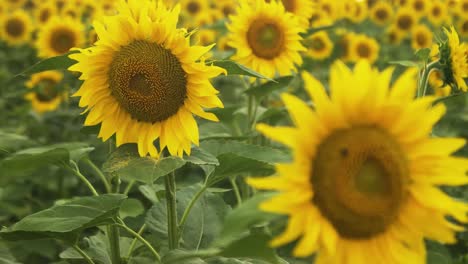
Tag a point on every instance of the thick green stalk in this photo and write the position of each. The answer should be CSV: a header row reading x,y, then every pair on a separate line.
x,y
424,78
171,209
114,241
172,227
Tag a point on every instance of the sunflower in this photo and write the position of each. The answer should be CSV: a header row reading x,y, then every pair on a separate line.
x,y
436,81
193,11
147,79
437,13
463,27
463,8
405,20
319,46
453,58
46,96
59,35
394,36
364,47
301,8
359,12
266,38
381,13
16,28
226,7
344,45
419,7
421,37
363,185
44,12
14,4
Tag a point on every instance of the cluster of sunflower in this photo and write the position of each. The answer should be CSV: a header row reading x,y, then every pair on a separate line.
x,y
364,182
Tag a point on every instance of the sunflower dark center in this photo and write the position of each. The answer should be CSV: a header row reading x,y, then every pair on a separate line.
x,y
289,5
359,177
44,15
228,10
381,14
148,81
465,7
405,22
363,50
62,40
265,38
422,40
436,11
465,26
418,5
193,7
317,44
15,27
46,90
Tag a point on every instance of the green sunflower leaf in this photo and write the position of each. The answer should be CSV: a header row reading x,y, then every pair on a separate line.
x,y
39,157
234,68
67,221
125,163
238,222
269,87
61,62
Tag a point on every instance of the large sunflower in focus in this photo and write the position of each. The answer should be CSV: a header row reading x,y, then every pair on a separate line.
x,y
266,37
363,186
16,28
145,82
59,35
46,96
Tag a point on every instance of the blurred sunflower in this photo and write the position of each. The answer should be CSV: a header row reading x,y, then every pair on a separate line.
x,y
44,12
344,45
46,96
329,8
419,7
463,27
436,81
405,20
319,46
92,37
301,8
14,4
193,11
381,13
71,11
364,47
226,7
394,36
358,13
363,185
421,37
146,82
16,27
454,60
266,38
463,8
437,13
58,36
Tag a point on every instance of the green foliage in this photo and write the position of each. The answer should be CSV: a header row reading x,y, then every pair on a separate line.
x,y
66,221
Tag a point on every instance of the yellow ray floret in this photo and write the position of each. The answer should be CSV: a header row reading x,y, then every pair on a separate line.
x,y
143,81
364,183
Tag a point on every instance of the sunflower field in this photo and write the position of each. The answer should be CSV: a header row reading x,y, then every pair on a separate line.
x,y
233,131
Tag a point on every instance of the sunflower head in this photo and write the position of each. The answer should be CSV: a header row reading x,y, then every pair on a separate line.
x,y
405,20
419,7
16,28
365,173
266,37
364,48
421,37
45,95
319,45
44,12
453,60
147,78
437,12
463,27
381,13
59,35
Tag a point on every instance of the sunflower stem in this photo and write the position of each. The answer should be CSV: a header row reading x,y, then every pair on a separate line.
x,y
236,190
172,223
190,205
76,171
99,174
424,78
141,239
113,232
83,254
